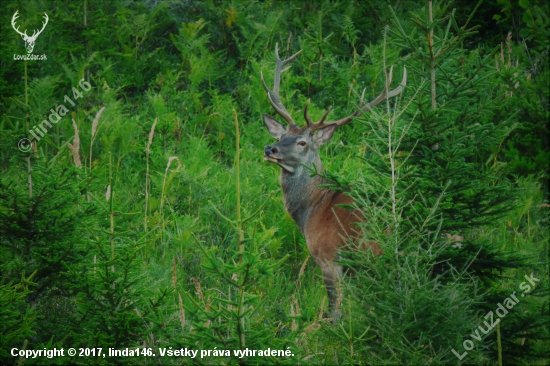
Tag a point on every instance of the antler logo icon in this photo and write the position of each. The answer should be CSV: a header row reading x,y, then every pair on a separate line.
x,y
29,41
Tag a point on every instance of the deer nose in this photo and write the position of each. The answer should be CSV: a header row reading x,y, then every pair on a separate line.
x,y
270,150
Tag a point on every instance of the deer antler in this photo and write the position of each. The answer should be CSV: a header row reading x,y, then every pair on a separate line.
x,y
383,96
43,26
273,95
35,33
15,16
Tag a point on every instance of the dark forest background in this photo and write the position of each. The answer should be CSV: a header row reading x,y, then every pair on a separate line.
x,y
121,226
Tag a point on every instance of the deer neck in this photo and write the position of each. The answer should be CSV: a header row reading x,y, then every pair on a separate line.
x,y
301,193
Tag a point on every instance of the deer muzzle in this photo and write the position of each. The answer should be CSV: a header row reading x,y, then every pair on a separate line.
x,y
268,153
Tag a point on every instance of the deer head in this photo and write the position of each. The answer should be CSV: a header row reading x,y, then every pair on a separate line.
x,y
296,145
29,40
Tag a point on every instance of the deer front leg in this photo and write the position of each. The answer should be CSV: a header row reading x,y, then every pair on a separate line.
x,y
332,284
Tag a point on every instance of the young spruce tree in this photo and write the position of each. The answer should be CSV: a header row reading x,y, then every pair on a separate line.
x,y
433,181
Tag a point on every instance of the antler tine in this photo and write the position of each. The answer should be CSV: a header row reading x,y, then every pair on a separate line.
x,y
390,76
322,120
385,94
306,116
273,95
312,125
379,99
401,86
362,100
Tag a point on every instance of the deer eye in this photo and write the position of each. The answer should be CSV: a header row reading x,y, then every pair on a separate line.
x,y
302,143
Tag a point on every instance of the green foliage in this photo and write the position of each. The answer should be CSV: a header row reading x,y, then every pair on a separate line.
x,y
41,235
16,316
142,245
431,186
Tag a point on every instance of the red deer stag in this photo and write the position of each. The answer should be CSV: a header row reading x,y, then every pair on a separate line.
x,y
325,225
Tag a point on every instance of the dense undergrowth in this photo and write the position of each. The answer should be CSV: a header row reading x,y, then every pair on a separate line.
x,y
146,216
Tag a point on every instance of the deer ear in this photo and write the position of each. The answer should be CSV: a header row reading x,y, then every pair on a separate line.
x,y
324,134
275,128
